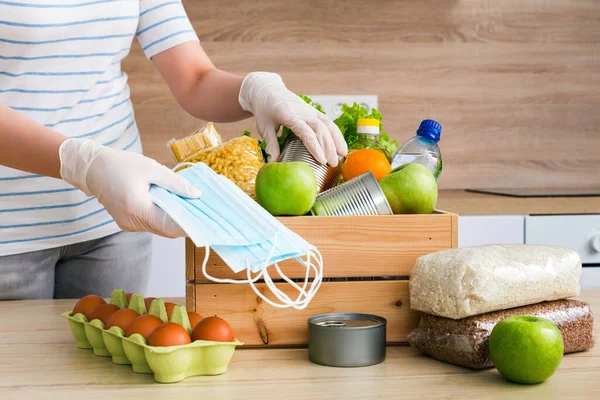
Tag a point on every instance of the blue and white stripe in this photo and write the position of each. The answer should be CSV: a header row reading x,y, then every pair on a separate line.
x,y
60,64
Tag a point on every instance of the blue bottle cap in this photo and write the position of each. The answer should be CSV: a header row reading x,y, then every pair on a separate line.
x,y
430,129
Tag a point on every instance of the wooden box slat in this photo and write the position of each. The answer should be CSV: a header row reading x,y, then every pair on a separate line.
x,y
353,246
190,296
190,260
258,324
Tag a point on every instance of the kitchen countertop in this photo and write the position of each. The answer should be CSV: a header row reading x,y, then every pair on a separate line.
x,y
39,360
468,203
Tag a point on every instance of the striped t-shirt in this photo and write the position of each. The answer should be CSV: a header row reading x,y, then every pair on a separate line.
x,y
60,65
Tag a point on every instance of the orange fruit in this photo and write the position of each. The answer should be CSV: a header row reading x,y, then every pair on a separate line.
x,y
363,160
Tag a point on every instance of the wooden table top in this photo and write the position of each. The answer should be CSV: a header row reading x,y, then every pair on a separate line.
x,y
39,360
468,203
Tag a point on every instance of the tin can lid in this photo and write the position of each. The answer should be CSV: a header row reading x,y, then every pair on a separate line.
x,y
347,320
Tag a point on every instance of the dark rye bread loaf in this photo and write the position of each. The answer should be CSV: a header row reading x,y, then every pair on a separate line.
x,y
464,342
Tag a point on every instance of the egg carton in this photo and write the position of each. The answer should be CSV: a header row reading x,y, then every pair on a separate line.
x,y
168,364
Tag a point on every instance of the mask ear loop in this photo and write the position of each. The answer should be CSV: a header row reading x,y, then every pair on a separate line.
x,y
316,283
299,303
218,280
281,296
250,280
308,294
269,283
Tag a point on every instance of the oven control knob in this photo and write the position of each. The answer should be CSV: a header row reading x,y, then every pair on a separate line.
x,y
595,242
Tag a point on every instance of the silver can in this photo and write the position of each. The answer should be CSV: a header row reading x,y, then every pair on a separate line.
x,y
294,150
359,196
347,339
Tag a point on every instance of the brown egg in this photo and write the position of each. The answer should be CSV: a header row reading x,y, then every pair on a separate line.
x,y
103,312
169,306
169,334
122,318
148,302
214,329
128,296
87,304
144,325
194,318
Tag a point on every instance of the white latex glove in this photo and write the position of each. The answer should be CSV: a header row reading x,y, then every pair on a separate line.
x,y
272,104
120,181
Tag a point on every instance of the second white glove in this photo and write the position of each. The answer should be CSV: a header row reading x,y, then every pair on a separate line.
x,y
272,104
120,181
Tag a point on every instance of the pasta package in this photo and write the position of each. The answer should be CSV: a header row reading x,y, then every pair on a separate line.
x,y
459,283
238,159
202,139
465,342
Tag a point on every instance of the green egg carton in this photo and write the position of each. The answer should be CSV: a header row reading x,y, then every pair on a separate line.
x,y
168,364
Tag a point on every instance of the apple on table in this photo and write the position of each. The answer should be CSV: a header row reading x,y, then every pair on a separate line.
x,y
526,349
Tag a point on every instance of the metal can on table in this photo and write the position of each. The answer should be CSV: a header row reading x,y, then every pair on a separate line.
x,y
294,150
347,339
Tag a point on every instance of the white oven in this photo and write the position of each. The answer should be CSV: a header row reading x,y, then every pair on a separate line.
x,y
578,232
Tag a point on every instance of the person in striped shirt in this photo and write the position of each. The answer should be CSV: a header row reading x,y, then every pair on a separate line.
x,y
75,215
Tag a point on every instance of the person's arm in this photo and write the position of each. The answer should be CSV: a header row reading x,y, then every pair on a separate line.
x,y
200,88
27,145
120,180
214,95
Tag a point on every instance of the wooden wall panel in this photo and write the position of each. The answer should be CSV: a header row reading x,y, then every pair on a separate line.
x,y
515,84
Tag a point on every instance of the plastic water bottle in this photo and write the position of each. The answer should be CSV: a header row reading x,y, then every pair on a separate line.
x,y
422,149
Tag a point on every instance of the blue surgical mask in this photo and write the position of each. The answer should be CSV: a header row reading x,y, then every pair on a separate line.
x,y
242,233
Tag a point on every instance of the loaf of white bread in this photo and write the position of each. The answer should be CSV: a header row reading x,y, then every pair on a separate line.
x,y
459,283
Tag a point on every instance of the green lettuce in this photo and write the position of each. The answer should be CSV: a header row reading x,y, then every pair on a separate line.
x,y
349,118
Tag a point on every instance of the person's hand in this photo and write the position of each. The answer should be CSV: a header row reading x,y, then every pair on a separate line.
x,y
272,104
120,181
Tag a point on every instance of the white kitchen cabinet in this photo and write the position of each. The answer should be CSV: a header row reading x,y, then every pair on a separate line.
x,y
167,277
477,230
578,232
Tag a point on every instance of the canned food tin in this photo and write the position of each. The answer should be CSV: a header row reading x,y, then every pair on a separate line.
x,y
346,339
294,150
359,196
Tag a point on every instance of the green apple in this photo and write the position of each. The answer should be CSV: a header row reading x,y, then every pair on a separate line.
x,y
526,349
410,189
286,188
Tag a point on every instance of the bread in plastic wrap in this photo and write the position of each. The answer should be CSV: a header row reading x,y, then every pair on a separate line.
x,y
465,342
238,159
459,283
